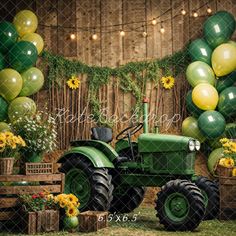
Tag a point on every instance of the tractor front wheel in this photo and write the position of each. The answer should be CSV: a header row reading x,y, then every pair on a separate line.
x,y
91,185
210,192
180,205
126,199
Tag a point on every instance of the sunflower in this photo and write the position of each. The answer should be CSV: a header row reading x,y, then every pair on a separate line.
x,y
226,144
224,140
234,171
233,146
22,141
73,83
72,198
168,82
63,203
226,162
2,140
71,211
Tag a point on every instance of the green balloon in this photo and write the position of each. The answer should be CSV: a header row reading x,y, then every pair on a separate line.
x,y
219,28
199,50
22,56
10,84
20,107
226,81
200,72
2,62
3,109
191,107
8,36
190,129
33,81
211,124
213,159
4,127
227,102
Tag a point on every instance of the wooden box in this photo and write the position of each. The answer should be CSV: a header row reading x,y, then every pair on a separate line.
x,y
38,168
53,183
91,221
227,198
224,171
40,222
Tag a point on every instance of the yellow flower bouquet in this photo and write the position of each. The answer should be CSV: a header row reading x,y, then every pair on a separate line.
x,y
10,144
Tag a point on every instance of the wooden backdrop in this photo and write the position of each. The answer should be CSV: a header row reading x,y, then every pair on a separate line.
x,y
112,50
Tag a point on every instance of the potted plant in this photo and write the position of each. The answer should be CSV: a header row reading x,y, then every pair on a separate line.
x,y
40,213
39,133
226,164
10,145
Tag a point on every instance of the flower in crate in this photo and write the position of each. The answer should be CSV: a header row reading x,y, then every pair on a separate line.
x,y
168,82
73,82
227,162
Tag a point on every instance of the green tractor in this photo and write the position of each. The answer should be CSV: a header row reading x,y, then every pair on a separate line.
x,y
108,179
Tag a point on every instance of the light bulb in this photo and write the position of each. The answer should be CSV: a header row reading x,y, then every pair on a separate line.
x,y
145,34
183,12
154,22
72,36
195,14
209,11
94,36
162,30
122,33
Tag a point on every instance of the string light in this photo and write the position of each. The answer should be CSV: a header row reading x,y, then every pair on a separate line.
x,y
144,32
122,33
209,11
154,22
94,36
195,14
72,36
183,12
162,30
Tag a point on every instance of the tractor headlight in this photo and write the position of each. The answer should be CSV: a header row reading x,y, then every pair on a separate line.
x,y
191,145
197,145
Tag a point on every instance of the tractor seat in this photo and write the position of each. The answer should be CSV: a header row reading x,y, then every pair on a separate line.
x,y
102,133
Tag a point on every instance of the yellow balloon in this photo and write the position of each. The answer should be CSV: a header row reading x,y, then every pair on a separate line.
x,y
34,38
205,96
25,22
224,59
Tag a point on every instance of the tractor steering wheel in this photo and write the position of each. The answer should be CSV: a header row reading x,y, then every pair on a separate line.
x,y
128,132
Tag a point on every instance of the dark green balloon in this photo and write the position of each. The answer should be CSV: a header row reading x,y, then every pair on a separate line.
x,y
219,28
22,56
2,62
8,36
226,81
211,124
191,107
227,102
199,50
3,109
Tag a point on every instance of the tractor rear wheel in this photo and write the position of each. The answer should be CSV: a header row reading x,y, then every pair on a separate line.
x,y
210,192
91,185
126,199
180,205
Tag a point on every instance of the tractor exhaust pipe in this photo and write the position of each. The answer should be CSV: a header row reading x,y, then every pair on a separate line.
x,y
145,115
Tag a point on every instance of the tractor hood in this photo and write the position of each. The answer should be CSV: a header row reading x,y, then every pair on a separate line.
x,y
149,142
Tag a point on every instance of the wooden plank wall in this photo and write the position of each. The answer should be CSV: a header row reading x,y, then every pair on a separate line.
x,y
112,50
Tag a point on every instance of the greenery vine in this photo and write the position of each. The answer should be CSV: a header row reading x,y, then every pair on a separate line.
x,y
132,76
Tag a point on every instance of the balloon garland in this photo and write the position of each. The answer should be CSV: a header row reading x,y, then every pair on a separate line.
x,y
212,74
19,78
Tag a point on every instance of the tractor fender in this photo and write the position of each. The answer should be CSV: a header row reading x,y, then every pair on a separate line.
x,y
97,158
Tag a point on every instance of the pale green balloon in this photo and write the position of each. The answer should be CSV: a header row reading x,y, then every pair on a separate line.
x,y
199,72
33,81
21,107
4,127
10,83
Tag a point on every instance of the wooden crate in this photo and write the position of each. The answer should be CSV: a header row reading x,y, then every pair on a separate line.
x,y
40,222
91,221
227,198
53,183
39,168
